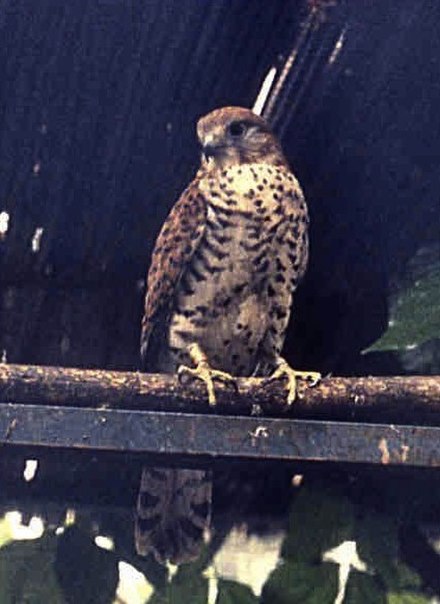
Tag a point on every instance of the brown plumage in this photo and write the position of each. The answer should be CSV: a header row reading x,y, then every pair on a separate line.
x,y
219,293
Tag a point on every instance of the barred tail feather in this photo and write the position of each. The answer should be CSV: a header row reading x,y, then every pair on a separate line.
x,y
173,513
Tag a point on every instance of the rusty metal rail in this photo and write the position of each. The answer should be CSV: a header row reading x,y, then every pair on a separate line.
x,y
374,420
212,436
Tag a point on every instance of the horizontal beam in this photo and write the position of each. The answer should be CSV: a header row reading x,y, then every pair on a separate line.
x,y
213,436
409,399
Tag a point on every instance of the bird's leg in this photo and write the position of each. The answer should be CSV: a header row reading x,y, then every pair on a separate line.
x,y
203,371
284,371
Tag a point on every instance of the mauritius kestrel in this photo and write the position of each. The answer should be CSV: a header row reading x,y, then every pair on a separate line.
x,y
219,293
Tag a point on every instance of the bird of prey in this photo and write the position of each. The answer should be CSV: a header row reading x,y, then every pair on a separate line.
x,y
219,292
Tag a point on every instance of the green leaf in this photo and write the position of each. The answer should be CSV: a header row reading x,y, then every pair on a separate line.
x,y
296,583
407,598
319,520
322,519
86,573
414,312
27,572
230,592
185,588
377,546
407,578
364,589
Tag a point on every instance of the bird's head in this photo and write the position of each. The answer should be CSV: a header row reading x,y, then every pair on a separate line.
x,y
234,135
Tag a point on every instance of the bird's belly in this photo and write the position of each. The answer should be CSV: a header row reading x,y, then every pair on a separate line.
x,y
238,284
223,306
226,316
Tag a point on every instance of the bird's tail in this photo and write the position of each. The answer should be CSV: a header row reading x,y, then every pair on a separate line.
x,y
173,513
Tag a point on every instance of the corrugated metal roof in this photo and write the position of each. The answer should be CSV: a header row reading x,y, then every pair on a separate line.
x,y
98,105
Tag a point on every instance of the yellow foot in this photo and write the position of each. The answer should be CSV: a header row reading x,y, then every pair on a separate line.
x,y
204,372
285,371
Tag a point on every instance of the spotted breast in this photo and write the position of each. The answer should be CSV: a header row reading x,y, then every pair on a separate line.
x,y
235,296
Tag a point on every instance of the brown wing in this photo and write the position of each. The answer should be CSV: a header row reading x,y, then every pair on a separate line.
x,y
175,245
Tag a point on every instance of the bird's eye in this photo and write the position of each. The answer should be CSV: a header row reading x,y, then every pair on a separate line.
x,y
237,129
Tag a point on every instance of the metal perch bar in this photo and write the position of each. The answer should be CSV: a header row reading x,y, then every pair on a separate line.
x,y
213,436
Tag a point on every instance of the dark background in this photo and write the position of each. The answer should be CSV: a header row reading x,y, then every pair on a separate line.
x,y
98,103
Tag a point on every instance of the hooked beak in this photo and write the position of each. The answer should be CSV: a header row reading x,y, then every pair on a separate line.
x,y
210,151
211,146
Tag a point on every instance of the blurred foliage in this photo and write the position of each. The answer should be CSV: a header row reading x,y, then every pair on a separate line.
x,y
23,564
187,585
322,518
5,532
407,598
86,573
364,588
294,582
320,521
230,592
415,304
74,570
192,588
